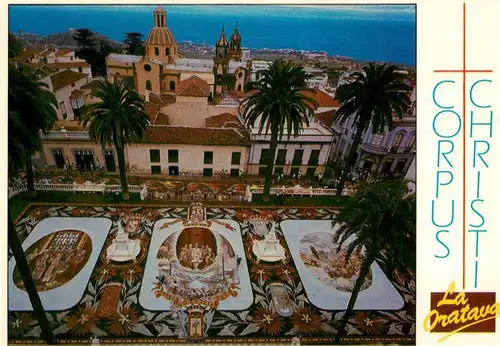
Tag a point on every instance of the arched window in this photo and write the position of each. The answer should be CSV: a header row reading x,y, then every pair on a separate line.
x,y
397,141
410,143
148,85
172,85
157,51
240,74
239,87
167,51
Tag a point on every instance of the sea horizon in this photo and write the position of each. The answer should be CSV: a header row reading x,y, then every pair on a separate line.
x,y
360,32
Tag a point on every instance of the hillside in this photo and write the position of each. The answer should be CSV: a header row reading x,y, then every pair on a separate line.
x,y
63,39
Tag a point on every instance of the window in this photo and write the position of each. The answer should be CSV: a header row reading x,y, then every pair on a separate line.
x,y
411,143
377,139
240,74
172,85
235,172
297,157
207,172
155,169
148,85
397,141
239,87
280,159
58,158
71,58
310,172
147,67
314,158
62,108
80,70
263,156
235,158
208,157
294,171
173,156
109,157
154,155
167,51
157,51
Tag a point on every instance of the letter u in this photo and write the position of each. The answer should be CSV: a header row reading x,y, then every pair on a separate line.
x,y
452,214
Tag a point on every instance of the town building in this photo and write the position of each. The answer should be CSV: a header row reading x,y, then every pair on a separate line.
x,y
162,68
318,78
307,153
380,153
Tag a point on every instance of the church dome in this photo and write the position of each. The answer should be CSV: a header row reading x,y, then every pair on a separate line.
x,y
160,36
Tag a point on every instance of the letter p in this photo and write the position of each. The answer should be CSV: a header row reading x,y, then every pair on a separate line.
x,y
441,180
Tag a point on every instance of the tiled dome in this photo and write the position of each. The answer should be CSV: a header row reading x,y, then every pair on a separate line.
x,y
160,36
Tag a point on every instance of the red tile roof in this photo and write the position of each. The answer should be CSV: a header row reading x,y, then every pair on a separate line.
x,y
194,136
63,51
322,98
327,117
65,78
194,86
219,119
71,64
162,99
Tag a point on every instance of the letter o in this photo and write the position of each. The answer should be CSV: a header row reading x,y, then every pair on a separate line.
x,y
434,128
428,318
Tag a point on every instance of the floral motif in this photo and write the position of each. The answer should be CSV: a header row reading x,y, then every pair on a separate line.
x,y
243,215
259,273
270,322
151,214
308,214
286,274
306,321
122,322
131,274
39,213
370,323
19,323
81,211
82,321
104,273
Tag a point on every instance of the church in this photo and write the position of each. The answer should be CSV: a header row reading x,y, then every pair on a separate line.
x,y
162,69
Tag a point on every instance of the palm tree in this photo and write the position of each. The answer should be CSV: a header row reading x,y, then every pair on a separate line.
x,y
118,118
24,136
278,102
32,110
382,220
373,98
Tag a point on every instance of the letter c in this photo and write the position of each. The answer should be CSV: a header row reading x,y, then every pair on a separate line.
x,y
472,89
434,94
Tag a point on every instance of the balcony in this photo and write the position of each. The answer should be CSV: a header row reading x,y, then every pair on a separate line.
x,y
63,134
374,149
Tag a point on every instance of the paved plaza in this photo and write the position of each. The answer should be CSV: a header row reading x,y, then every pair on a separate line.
x,y
193,274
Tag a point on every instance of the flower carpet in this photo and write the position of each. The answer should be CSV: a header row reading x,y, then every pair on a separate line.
x,y
261,302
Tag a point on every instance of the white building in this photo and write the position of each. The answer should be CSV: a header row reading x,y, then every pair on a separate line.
x,y
307,153
319,78
380,153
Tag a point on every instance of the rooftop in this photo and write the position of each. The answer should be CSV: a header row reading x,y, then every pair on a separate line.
x,y
69,64
124,58
65,78
194,86
194,136
327,117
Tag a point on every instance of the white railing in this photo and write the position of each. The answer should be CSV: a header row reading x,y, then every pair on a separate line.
x,y
14,190
295,191
68,134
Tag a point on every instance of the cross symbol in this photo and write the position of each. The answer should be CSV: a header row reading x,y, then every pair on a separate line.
x,y
464,71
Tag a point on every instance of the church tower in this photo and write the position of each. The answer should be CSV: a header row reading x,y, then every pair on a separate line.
x,y
221,64
160,43
235,45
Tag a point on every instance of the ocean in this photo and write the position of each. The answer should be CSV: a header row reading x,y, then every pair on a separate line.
x,y
371,33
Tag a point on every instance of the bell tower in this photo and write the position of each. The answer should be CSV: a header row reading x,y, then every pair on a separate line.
x,y
235,45
221,63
